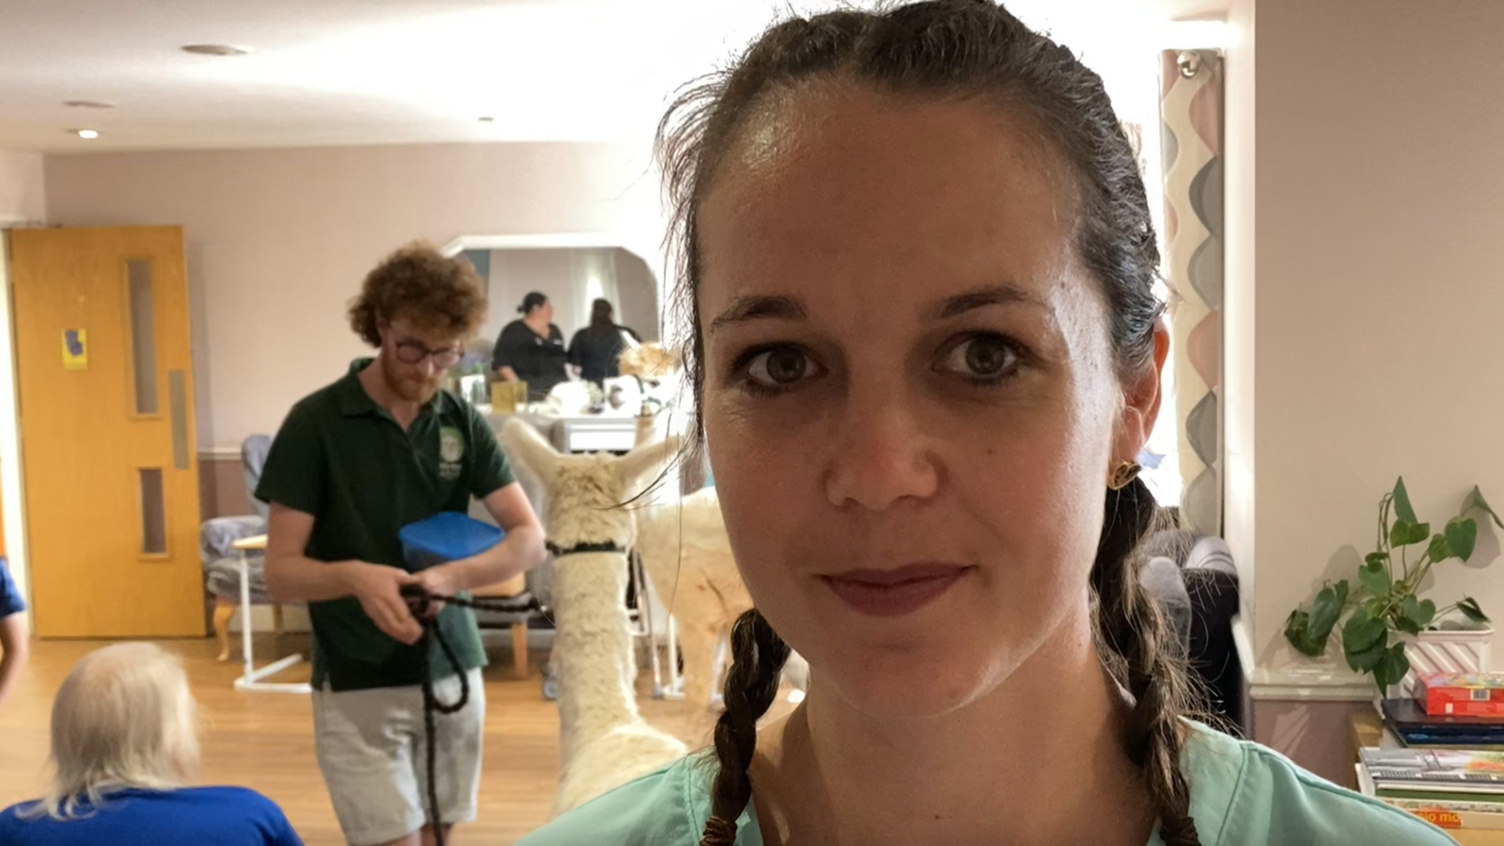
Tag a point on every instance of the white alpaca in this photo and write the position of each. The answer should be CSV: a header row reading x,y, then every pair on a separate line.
x,y
659,375
604,741
687,556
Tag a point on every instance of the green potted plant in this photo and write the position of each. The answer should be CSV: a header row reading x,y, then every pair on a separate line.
x,y
1384,607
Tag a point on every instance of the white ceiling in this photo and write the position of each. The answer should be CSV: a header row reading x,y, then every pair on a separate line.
x,y
394,71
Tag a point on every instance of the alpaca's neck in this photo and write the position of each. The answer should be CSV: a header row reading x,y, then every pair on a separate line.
x,y
647,430
592,648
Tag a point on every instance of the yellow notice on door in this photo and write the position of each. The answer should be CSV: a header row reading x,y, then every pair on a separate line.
x,y
75,349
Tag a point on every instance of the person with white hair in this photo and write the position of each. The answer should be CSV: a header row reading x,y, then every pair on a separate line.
x,y
124,752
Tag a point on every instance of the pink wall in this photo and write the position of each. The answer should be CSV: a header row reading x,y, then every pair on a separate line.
x,y
279,240
515,273
221,487
1380,288
1239,306
639,303
555,272
1380,197
1318,735
22,195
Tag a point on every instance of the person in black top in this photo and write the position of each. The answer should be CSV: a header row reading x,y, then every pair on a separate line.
x,y
531,349
595,348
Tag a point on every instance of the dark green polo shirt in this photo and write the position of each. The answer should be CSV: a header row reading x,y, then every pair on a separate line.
x,y
342,458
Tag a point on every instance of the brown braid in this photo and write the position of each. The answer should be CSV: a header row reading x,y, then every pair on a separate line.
x,y
1131,630
757,658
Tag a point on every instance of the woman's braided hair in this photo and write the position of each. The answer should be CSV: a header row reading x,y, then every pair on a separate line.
x,y
971,49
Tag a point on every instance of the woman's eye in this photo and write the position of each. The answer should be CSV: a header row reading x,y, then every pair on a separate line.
x,y
779,368
981,357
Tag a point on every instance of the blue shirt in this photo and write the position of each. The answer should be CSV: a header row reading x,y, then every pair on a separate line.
x,y
10,598
1242,794
201,816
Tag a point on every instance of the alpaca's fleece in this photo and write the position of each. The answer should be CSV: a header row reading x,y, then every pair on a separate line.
x,y
604,741
688,558
648,361
687,555
660,372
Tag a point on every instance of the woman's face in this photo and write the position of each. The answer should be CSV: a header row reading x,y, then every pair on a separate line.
x,y
910,398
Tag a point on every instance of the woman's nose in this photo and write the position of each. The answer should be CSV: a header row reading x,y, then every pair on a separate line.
x,y
881,457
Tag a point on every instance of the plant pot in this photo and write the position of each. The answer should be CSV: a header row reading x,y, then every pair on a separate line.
x,y
1444,651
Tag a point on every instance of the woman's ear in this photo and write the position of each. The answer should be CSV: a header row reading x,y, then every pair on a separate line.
x,y
1142,396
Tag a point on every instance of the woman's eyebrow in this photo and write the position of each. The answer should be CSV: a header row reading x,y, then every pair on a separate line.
x,y
760,307
780,307
1003,294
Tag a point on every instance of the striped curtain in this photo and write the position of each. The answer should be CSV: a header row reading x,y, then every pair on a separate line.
x,y
1191,111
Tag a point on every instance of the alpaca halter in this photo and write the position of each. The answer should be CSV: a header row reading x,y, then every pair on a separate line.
x,y
602,546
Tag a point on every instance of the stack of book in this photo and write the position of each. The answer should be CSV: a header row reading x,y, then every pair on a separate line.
x,y
1451,770
1414,727
1451,788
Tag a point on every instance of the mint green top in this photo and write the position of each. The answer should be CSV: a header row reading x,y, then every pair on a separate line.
x,y
1242,794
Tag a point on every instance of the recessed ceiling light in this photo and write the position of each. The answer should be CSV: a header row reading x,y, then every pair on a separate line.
x,y
215,50
88,104
86,133
485,119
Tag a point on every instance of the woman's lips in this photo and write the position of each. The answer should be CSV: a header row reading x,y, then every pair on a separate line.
x,y
893,593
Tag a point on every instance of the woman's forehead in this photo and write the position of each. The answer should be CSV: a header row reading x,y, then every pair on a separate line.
x,y
855,186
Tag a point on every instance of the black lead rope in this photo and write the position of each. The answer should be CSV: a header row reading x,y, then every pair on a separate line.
x,y
418,602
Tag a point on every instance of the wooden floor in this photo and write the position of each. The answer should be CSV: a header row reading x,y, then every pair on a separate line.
x,y
265,740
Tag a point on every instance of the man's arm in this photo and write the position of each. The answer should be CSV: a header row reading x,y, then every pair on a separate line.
x,y
520,551
13,644
291,575
508,373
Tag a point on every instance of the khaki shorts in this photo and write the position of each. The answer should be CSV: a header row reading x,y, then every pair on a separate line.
x,y
373,753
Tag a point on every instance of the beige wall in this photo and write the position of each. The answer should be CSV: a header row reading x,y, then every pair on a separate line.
x,y
1380,287
1240,302
637,296
1368,347
516,273
22,192
1380,196
221,486
1316,734
279,240
22,202
557,273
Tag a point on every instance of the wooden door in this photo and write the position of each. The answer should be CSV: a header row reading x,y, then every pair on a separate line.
x,y
105,392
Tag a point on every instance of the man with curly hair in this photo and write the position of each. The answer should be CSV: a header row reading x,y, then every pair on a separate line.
x,y
380,448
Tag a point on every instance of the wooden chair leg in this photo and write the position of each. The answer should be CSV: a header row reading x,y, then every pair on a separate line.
x,y
519,650
223,610
277,619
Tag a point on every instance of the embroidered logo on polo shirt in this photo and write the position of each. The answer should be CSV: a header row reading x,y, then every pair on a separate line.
x,y
451,450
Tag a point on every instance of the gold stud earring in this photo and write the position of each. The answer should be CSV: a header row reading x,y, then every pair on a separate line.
x,y
1124,473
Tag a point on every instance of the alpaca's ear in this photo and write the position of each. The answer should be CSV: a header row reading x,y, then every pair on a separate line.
x,y
522,443
636,466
